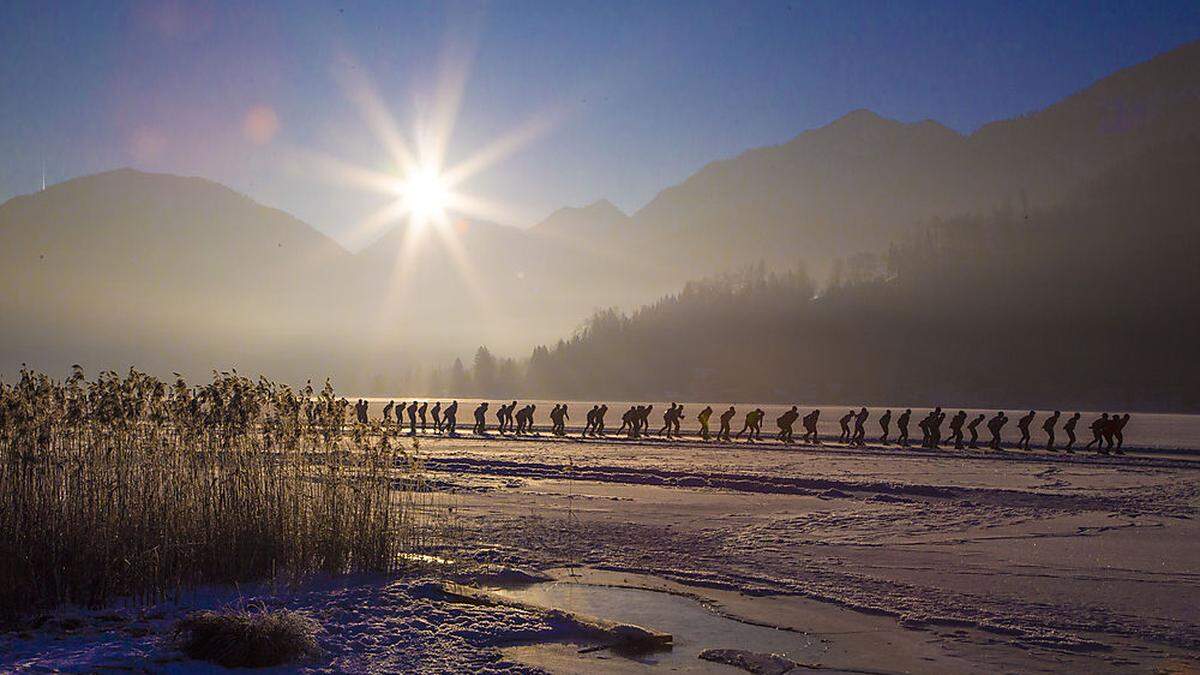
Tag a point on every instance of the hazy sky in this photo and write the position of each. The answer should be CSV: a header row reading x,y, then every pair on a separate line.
x,y
629,98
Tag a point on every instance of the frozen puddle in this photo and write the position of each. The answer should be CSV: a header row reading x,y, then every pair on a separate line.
x,y
694,627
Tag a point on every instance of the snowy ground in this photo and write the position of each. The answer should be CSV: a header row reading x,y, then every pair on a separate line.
x,y
999,560
871,560
369,625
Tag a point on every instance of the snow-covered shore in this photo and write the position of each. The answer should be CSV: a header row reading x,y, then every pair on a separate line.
x,y
1017,560
367,625
877,559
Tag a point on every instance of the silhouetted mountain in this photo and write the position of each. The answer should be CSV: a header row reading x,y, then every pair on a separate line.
x,y
181,273
1093,303
169,272
126,264
859,182
588,223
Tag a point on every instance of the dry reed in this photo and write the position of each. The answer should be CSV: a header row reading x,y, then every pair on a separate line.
x,y
129,487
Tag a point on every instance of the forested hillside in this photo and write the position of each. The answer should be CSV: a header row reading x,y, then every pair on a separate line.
x,y
1094,303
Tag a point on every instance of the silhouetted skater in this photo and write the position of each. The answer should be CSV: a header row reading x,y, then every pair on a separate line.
x,y
810,427
529,419
452,419
995,425
598,430
1097,426
785,422
627,420
1107,431
902,428
518,428
643,420
412,419
360,410
481,419
1048,427
1118,429
590,422
560,421
525,420
421,413
931,429
956,428
436,413
845,423
387,412
860,431
703,418
754,420
1023,426
501,424
555,419
668,421
1069,429
726,418
973,428
675,421
885,425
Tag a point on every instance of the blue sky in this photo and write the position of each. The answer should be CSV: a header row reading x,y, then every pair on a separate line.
x,y
631,96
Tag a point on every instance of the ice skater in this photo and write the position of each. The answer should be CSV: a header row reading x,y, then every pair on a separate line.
x,y
451,418
1048,427
810,428
481,419
1097,426
590,422
1069,430
956,428
902,428
703,418
995,425
973,428
860,432
1023,427
668,421
785,422
726,418
845,424
1118,429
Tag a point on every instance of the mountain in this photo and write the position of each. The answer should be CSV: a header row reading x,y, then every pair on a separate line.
x,y
1093,304
592,222
861,181
129,264
181,273
831,191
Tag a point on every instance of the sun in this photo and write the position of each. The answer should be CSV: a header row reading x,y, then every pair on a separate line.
x,y
426,195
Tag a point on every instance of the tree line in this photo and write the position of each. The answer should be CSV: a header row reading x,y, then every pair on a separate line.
x,y
1094,303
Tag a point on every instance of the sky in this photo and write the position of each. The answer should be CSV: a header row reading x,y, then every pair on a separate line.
x,y
612,99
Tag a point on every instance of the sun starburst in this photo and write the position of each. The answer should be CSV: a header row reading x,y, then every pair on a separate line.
x,y
424,194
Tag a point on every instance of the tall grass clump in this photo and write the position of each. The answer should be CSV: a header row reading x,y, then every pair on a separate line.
x,y
127,486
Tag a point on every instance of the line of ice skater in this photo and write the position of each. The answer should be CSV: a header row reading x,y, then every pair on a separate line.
x,y
963,433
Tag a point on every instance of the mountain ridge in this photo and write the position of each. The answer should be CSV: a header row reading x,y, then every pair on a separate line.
x,y
125,255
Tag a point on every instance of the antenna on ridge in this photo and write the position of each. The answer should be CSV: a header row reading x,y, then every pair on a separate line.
x,y
43,175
